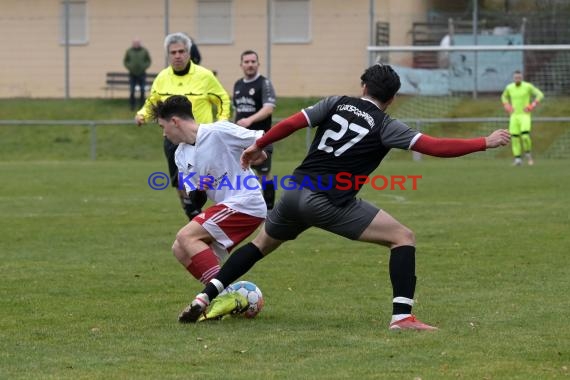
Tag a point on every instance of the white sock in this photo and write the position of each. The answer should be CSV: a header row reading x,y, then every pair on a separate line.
x,y
218,284
202,299
399,317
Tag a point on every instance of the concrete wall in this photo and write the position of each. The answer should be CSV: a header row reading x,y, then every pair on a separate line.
x,y
32,57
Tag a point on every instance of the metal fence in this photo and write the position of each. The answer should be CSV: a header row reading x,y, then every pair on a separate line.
x,y
560,148
91,124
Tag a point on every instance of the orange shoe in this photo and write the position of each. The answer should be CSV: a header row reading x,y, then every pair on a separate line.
x,y
410,323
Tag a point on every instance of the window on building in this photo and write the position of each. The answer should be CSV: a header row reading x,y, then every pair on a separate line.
x,y
214,21
291,21
77,22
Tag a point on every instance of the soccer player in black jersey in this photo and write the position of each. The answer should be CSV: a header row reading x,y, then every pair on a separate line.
x,y
353,136
254,102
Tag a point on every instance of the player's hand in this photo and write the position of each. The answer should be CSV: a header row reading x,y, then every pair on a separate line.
x,y
259,160
139,120
251,155
245,122
508,107
498,138
531,106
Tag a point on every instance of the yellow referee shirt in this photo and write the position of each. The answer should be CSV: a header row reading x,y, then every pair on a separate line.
x,y
201,87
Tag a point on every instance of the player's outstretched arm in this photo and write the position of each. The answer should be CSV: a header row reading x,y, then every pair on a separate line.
x,y
500,137
450,147
278,132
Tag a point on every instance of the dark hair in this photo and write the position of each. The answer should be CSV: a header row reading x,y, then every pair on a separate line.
x,y
248,52
381,81
176,105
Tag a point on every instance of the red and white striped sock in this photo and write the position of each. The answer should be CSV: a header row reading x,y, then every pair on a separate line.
x,y
204,266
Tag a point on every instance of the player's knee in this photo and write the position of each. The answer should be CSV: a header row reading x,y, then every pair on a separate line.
x,y
183,238
265,243
177,250
406,237
192,234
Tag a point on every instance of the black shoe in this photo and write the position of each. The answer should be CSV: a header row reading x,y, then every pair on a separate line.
x,y
191,313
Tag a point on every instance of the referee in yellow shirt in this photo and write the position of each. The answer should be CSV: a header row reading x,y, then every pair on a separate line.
x,y
210,101
518,101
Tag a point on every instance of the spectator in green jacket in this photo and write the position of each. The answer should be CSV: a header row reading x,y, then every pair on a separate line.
x,y
137,60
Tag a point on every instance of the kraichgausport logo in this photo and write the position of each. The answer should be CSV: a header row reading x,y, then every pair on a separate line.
x,y
339,181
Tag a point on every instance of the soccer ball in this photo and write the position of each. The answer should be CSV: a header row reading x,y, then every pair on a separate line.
x,y
253,294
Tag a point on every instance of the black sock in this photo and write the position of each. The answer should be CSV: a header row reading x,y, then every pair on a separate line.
x,y
269,194
403,276
236,266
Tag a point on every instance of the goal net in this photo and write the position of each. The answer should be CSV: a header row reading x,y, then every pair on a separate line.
x,y
456,90
437,78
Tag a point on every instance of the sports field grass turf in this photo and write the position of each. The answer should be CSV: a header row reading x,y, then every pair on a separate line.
x,y
90,290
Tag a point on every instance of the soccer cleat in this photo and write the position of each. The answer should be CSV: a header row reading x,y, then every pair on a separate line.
x,y
194,310
529,159
191,313
517,162
411,323
224,305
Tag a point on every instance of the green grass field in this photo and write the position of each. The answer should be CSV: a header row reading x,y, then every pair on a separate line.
x,y
90,289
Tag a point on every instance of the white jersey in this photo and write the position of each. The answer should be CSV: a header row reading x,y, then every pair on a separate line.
x,y
216,154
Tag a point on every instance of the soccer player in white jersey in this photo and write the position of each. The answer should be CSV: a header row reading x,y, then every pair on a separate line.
x,y
208,159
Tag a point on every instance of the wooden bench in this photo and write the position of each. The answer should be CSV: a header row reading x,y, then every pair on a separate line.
x,y
120,81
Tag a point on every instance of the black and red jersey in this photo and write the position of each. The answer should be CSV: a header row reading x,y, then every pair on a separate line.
x,y
250,96
352,136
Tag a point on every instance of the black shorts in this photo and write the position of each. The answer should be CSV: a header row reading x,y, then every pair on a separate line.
x,y
297,210
169,150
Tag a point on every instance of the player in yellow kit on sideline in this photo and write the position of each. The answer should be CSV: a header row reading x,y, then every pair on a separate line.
x,y
518,102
